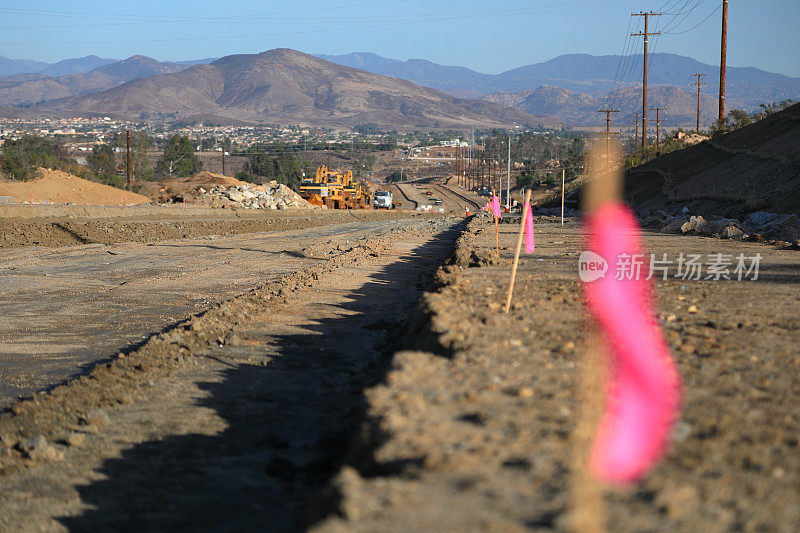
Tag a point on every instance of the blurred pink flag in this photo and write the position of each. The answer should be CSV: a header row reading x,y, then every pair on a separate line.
x,y
496,207
530,245
643,388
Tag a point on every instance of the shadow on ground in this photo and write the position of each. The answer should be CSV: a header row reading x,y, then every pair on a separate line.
x,y
289,422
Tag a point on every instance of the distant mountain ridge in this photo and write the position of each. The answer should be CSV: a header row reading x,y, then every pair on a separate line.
x,y
680,107
288,87
34,88
582,73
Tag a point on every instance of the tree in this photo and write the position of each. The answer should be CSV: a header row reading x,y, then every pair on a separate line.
x,y
20,158
141,167
179,158
102,161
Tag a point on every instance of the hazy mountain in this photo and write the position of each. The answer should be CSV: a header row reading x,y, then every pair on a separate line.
x,y
419,71
9,67
39,89
16,79
583,73
285,86
76,66
680,107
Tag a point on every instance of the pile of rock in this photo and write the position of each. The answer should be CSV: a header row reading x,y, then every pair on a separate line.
x,y
760,226
272,195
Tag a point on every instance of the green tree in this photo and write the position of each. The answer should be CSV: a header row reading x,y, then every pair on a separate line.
x,y
102,161
21,157
179,158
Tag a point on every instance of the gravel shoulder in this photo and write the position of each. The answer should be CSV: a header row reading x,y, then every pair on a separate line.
x,y
473,430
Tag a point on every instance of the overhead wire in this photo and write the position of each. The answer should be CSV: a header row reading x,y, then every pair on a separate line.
x,y
444,17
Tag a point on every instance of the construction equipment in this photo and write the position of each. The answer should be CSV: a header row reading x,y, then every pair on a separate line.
x,y
335,190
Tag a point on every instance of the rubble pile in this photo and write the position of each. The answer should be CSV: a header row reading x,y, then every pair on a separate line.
x,y
760,226
272,195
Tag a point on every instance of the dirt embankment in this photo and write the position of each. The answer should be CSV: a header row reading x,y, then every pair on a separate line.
x,y
59,187
165,225
474,432
752,169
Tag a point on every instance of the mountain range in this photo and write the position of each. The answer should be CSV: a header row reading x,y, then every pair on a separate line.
x,y
288,87
27,89
581,73
569,87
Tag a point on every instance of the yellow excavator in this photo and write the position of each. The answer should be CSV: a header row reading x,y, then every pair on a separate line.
x,y
335,190
357,195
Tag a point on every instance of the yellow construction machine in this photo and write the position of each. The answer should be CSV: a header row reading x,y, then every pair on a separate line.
x,y
335,190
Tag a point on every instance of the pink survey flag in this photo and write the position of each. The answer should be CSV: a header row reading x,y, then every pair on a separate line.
x,y
643,388
496,207
530,245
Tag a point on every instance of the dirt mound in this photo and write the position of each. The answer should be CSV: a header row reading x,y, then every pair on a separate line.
x,y
751,169
55,186
175,189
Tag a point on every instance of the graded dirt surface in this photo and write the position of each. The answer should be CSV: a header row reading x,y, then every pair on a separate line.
x,y
475,432
312,403
66,308
59,187
233,419
68,225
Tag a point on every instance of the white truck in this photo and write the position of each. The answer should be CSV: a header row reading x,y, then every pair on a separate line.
x,y
383,200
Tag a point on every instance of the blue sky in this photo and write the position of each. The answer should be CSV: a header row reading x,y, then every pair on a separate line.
x,y
486,36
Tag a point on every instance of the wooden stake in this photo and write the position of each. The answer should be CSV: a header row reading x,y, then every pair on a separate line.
x,y
563,178
525,207
496,228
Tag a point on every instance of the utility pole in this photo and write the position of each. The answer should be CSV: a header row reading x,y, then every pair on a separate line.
x,y
723,59
508,177
646,36
128,158
636,139
608,132
658,111
223,161
699,84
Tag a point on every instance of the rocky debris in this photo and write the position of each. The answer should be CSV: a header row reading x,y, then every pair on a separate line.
x,y
38,449
272,195
785,228
759,227
75,440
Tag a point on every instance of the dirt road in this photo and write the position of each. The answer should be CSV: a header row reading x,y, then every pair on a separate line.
x,y
231,421
66,308
307,405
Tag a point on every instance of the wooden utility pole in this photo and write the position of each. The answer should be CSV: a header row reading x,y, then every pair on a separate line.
x,y
636,139
723,59
608,132
646,36
223,161
658,111
699,84
128,157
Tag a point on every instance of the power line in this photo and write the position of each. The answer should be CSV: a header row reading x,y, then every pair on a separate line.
x,y
427,19
716,10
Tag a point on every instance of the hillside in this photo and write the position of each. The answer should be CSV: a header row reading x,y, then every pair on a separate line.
x,y
581,108
754,168
33,88
285,86
582,73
